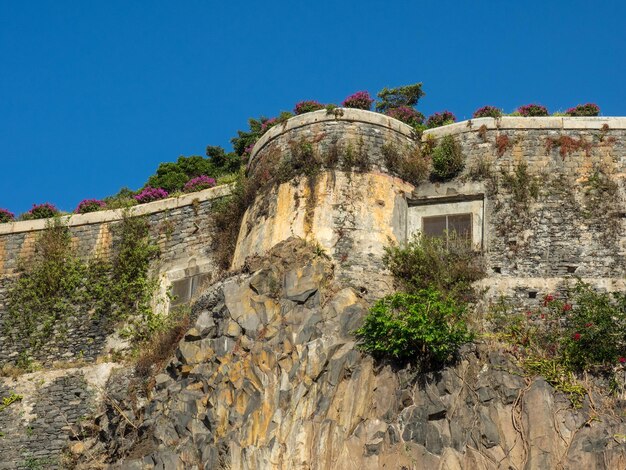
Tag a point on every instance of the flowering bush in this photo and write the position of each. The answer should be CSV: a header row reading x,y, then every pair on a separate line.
x,y
268,124
582,330
89,205
307,106
359,100
529,110
149,194
488,111
6,216
407,115
440,119
198,183
41,211
589,109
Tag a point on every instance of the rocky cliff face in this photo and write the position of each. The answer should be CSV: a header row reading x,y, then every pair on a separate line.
x,y
269,377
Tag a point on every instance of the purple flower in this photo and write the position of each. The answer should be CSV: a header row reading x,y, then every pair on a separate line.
x,y
488,111
198,183
6,216
440,119
248,150
89,205
149,194
529,110
268,124
407,115
359,100
41,211
589,109
307,106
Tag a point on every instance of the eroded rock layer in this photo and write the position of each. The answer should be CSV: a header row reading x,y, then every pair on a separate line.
x,y
269,377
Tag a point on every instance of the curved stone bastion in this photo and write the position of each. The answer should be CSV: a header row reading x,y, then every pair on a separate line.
x,y
544,197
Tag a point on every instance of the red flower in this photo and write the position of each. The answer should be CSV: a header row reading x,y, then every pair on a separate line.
x,y
543,316
529,313
588,325
547,299
576,336
622,359
567,307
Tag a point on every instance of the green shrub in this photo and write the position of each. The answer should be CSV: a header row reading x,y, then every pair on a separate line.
x,y
449,265
173,176
447,158
595,328
409,165
582,330
425,326
132,285
124,198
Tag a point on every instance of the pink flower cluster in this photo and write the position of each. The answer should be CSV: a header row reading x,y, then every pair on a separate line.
x,y
359,100
529,110
198,183
268,124
89,205
487,111
589,109
149,194
407,115
41,211
440,119
6,216
307,106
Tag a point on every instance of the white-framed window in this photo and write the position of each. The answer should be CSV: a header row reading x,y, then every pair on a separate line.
x,y
444,226
442,217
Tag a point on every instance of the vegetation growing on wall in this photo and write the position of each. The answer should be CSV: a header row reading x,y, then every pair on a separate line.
x,y
426,322
57,288
6,216
411,166
582,330
568,145
447,158
487,111
531,110
522,186
442,118
40,211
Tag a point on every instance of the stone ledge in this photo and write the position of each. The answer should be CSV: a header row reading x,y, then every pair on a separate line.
x,y
75,220
470,125
528,123
347,115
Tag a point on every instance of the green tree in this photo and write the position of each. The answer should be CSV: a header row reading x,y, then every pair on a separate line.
x,y
407,95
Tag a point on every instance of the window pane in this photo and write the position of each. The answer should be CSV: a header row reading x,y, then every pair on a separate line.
x,y
461,225
434,226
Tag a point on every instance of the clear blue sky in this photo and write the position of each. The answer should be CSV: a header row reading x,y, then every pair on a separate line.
x,y
93,95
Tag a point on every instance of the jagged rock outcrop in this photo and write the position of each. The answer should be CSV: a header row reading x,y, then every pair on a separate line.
x,y
269,377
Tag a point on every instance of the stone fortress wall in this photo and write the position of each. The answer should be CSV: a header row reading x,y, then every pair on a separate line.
x,y
563,215
182,228
574,225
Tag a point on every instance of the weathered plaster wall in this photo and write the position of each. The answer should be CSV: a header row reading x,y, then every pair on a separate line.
x,y
182,228
565,218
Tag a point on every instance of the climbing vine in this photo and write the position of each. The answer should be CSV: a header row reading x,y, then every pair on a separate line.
x,y
57,287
